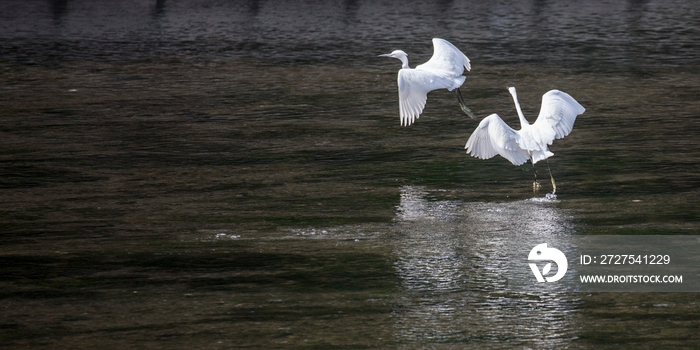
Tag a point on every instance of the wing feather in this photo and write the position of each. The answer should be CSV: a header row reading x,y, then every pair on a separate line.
x,y
446,57
493,136
414,86
557,116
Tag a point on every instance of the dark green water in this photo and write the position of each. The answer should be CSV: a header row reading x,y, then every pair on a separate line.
x,y
234,175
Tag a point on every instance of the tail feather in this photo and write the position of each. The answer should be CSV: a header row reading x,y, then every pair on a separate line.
x,y
457,82
540,155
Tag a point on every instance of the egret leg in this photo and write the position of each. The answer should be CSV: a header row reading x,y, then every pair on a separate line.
x,y
554,185
464,107
535,184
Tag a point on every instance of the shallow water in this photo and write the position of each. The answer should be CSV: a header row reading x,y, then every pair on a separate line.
x,y
233,173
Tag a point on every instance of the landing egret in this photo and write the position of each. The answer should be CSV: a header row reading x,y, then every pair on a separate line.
x,y
443,71
556,120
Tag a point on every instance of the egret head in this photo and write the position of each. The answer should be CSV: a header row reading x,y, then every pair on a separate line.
x,y
511,90
395,54
398,54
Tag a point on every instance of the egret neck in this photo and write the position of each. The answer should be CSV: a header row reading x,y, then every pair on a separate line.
x,y
523,122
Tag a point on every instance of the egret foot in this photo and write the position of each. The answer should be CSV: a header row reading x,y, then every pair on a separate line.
x,y
463,106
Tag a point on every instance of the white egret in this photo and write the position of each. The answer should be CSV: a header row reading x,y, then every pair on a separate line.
x,y
443,71
556,120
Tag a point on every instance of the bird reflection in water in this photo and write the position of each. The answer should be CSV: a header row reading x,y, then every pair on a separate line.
x,y
452,259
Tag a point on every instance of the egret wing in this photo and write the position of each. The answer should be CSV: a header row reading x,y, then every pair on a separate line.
x,y
557,116
414,86
493,136
446,57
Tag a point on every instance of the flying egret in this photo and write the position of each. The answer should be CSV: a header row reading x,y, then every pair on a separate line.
x,y
443,71
493,136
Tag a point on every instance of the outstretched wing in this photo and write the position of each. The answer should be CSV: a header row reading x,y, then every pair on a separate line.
x,y
414,86
493,136
446,57
557,116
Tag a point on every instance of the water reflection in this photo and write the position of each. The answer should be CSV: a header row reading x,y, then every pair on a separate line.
x,y
454,258
58,9
159,8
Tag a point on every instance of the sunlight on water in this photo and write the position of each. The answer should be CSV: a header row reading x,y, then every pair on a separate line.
x,y
452,258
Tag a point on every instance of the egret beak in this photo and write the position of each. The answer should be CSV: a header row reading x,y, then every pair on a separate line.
x,y
385,55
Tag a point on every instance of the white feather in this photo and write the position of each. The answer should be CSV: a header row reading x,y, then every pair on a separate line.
x,y
414,86
558,114
447,58
493,136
